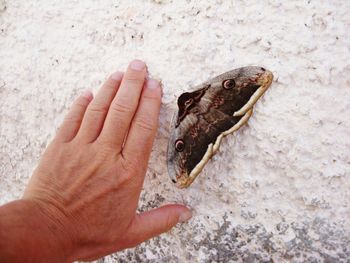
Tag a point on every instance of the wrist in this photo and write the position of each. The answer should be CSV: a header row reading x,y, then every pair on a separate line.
x,y
31,232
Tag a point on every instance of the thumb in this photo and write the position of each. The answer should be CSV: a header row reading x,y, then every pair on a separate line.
x,y
154,222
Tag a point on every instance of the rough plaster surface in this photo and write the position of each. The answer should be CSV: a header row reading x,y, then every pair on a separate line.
x,y
277,191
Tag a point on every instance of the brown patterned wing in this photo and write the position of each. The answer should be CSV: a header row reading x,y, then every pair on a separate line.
x,y
204,132
218,107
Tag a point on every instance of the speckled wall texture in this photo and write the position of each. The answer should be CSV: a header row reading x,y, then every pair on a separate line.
x,y
278,190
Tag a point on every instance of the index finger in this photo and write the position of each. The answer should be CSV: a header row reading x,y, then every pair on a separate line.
x,y
138,144
124,105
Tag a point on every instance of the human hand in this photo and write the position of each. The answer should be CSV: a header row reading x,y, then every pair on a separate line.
x,y
88,182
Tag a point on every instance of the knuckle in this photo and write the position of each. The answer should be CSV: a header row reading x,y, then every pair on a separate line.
x,y
145,124
127,171
126,165
126,178
104,149
130,165
110,84
81,103
122,108
104,153
133,80
169,222
72,118
154,97
98,108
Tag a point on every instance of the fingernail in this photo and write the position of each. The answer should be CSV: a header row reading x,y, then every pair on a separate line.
x,y
185,216
87,94
152,84
137,65
117,76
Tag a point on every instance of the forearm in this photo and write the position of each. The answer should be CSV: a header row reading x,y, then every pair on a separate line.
x,y
27,235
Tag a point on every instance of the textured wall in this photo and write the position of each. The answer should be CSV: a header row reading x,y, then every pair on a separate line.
x,y
278,190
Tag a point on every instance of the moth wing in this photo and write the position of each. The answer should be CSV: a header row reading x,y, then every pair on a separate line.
x,y
202,133
229,101
209,113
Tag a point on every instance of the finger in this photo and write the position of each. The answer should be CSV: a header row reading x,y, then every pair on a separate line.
x,y
124,105
72,121
97,110
138,144
152,223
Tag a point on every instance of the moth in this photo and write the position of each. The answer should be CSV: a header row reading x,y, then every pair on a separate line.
x,y
216,108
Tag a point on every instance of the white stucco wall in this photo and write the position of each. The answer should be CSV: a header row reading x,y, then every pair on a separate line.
x,y
278,190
